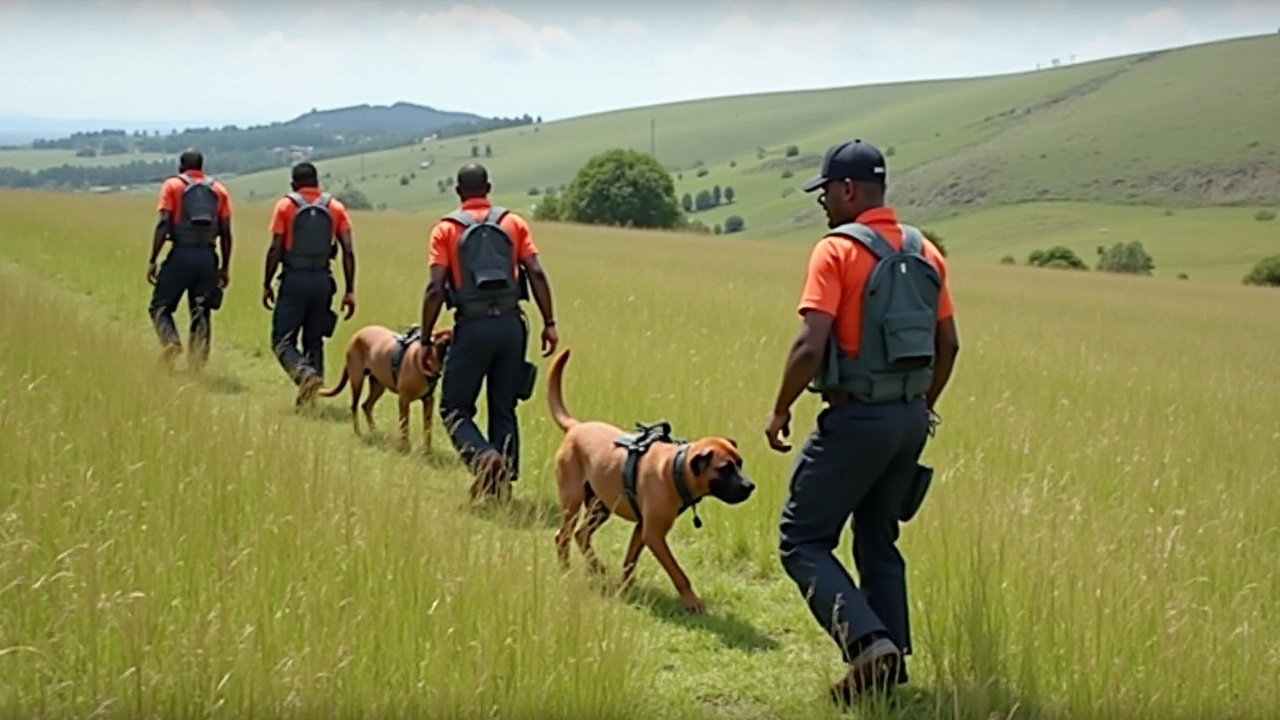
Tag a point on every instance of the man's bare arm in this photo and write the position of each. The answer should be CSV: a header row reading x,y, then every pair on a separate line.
x,y
224,240
433,300
274,252
348,260
804,359
541,288
946,347
160,234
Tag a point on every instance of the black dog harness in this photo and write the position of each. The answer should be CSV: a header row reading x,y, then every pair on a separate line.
x,y
636,445
403,341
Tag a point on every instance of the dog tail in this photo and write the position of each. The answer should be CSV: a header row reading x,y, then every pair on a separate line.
x,y
554,396
342,382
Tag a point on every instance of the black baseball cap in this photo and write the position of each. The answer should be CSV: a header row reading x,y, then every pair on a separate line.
x,y
850,160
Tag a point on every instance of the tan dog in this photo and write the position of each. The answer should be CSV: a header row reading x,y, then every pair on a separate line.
x,y
589,469
369,354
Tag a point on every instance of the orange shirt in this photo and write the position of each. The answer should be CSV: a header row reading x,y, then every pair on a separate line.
x,y
171,196
838,271
282,217
445,235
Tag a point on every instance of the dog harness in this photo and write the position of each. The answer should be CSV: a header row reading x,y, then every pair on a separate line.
x,y
636,445
403,341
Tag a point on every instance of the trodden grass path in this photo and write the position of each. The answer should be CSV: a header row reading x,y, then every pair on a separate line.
x,y
1100,543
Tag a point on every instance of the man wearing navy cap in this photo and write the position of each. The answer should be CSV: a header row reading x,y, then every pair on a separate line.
x,y
880,360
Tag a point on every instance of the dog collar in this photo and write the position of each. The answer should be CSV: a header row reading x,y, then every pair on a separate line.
x,y
686,498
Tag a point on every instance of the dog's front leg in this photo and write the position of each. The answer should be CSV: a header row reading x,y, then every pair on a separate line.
x,y
428,407
404,423
655,538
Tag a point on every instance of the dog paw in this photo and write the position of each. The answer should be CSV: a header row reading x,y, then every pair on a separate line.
x,y
692,604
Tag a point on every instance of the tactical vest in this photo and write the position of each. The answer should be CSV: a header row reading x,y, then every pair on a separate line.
x,y
899,321
197,221
486,259
313,240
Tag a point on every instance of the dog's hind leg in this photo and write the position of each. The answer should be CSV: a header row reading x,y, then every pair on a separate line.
x,y
597,514
573,493
375,393
357,385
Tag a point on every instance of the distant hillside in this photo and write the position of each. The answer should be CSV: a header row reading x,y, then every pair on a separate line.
x,y
400,118
1192,126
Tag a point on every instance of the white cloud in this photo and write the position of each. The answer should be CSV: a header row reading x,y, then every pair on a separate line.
x,y
203,14
503,36
946,15
1260,11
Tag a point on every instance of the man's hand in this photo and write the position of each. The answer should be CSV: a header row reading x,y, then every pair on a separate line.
x,y
550,340
349,304
224,278
779,423
268,297
151,272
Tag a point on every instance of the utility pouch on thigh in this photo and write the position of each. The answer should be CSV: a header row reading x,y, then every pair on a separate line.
x,y
213,300
528,380
330,323
921,479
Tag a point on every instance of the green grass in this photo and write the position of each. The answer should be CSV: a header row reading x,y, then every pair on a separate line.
x,y
1146,129
1100,541
35,160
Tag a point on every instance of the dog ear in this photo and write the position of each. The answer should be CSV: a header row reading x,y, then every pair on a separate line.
x,y
733,442
701,462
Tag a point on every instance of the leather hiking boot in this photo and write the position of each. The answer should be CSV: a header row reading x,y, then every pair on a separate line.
x,y
875,669
307,388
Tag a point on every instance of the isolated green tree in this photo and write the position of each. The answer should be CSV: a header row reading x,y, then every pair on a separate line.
x,y
728,194
686,202
733,224
622,187
1130,258
488,151
1058,256
1265,272
703,201
548,209
353,198
715,195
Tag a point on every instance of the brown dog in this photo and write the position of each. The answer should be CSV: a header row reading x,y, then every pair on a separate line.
x,y
369,354
589,469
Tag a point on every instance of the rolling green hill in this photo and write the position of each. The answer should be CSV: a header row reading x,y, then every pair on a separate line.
x,y
1192,126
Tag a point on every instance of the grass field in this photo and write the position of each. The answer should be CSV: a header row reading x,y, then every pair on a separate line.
x,y
1211,244
1100,542
1136,130
34,160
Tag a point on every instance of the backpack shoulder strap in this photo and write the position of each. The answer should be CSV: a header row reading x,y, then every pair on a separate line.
x,y
323,200
297,199
912,240
865,236
496,213
462,217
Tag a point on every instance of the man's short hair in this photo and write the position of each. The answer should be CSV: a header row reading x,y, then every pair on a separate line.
x,y
191,159
305,175
473,178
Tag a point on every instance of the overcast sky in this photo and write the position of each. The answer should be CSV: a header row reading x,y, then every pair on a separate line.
x,y
241,61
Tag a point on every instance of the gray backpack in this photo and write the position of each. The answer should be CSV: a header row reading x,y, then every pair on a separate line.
x,y
197,222
312,246
899,321
486,256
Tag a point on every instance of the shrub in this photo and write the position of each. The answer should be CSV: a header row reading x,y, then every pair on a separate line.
x,y
1129,258
1008,260
733,224
1265,215
792,151
787,174
1058,256
1265,272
